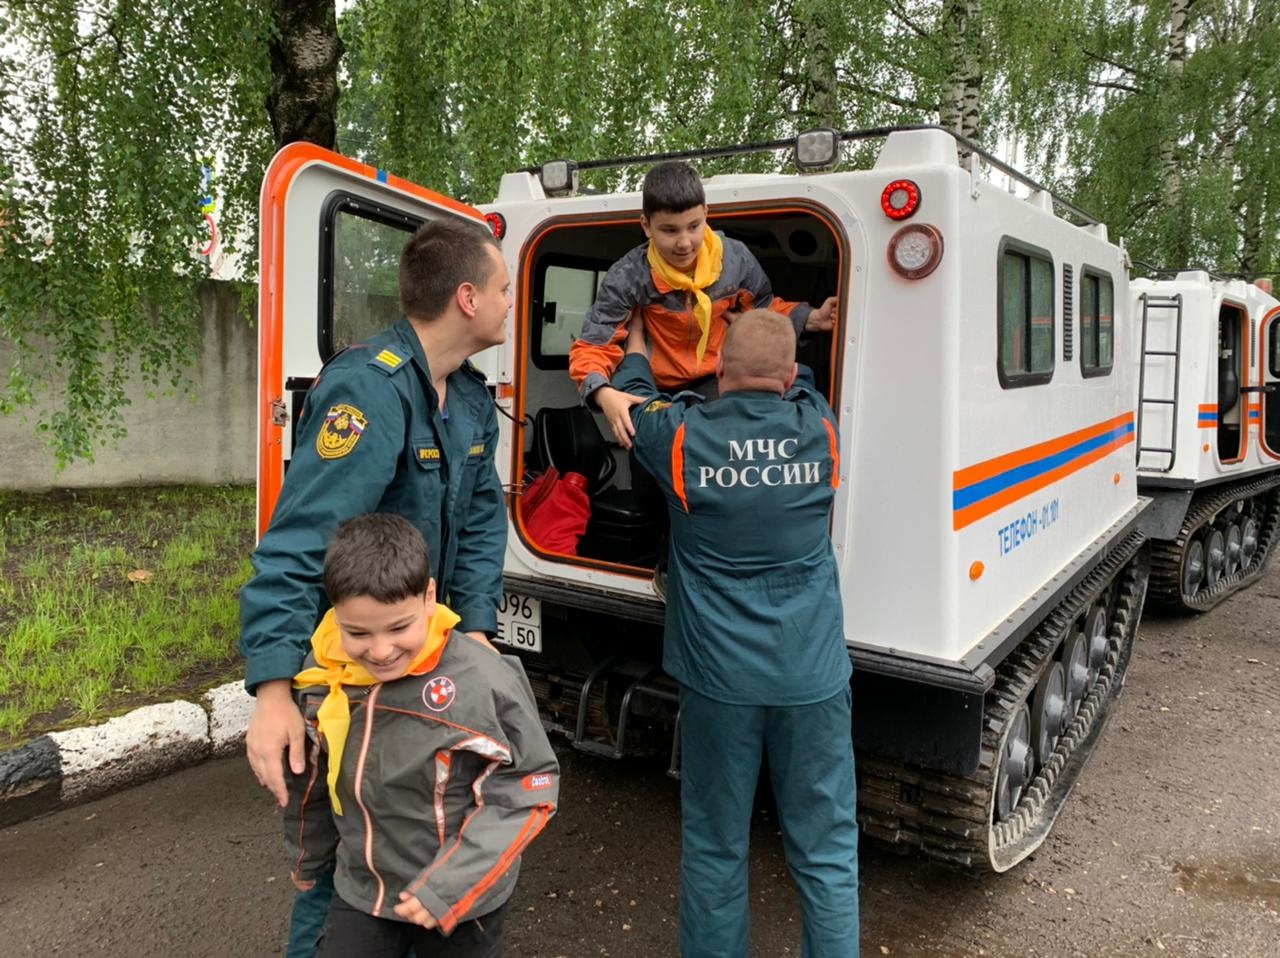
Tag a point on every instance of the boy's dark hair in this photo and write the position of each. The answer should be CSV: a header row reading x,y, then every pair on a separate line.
x,y
441,256
672,186
380,555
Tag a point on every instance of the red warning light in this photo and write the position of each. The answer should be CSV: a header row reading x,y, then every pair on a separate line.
x,y
900,199
496,223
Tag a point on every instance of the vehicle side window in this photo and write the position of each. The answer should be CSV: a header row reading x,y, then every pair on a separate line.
x,y
1025,315
1097,323
360,270
563,294
1275,349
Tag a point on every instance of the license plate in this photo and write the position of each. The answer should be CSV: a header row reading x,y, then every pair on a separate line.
x,y
520,622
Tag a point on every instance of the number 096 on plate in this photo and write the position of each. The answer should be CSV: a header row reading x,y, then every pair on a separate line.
x,y
520,622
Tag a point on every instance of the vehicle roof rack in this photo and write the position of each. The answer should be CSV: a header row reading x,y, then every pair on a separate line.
x,y
848,136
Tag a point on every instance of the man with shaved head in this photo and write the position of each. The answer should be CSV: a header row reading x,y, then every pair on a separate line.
x,y
754,632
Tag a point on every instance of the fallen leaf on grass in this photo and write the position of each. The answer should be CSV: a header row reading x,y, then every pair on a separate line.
x,y
140,575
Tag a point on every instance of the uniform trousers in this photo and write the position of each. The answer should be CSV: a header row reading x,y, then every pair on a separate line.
x,y
810,753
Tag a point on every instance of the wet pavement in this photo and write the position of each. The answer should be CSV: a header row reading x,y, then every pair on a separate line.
x,y
1170,845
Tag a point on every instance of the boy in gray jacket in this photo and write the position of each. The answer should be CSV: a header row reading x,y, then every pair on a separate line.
x,y
428,771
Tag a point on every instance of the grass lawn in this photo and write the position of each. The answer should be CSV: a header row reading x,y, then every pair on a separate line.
x,y
113,598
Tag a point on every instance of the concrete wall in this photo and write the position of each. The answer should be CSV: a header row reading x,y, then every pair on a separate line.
x,y
206,435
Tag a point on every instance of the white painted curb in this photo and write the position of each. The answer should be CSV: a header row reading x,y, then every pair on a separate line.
x,y
64,768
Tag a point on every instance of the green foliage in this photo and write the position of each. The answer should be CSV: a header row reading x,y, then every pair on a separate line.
x,y
112,109
1175,157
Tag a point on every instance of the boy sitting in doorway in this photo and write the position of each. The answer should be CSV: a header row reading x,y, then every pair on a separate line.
x,y
686,283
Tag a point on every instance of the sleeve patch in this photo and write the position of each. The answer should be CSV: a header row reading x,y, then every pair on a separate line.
x,y
657,405
342,429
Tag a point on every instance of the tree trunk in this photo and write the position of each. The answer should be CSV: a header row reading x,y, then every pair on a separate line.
x,y
819,97
961,109
1170,158
303,100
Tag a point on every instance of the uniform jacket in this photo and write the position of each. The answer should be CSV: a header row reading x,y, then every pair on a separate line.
x,y
371,439
754,615
446,777
669,322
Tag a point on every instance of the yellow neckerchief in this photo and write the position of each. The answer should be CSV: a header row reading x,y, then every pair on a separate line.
x,y
705,272
335,669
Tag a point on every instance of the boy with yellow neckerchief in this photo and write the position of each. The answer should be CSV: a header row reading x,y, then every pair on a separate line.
x,y
428,771
683,282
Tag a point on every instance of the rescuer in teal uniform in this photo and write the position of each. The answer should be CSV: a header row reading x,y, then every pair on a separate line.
x,y
754,633
400,423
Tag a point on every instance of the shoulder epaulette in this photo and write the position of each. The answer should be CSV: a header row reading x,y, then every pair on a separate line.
x,y
689,397
388,361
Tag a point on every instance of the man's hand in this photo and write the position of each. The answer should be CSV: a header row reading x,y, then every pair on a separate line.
x,y
301,885
822,319
276,727
616,406
410,909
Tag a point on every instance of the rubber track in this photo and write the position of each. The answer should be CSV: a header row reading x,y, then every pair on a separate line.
x,y
1166,557
949,817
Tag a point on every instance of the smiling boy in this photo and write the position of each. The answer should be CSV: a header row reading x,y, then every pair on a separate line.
x,y
417,734
687,282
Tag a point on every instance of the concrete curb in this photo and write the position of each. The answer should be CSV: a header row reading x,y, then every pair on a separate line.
x,y
65,768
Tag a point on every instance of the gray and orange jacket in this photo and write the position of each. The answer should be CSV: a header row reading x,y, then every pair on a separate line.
x,y
754,614
669,322
446,778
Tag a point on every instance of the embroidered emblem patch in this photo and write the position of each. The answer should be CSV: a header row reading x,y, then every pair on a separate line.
x,y
657,405
388,358
536,781
439,693
342,429
427,453
476,450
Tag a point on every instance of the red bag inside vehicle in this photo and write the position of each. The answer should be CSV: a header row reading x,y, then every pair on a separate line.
x,y
556,509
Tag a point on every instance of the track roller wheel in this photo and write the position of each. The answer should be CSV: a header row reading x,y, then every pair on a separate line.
x,y
1017,762
1215,549
1049,711
1234,549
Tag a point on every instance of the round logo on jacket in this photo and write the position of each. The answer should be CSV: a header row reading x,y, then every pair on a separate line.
x,y
438,694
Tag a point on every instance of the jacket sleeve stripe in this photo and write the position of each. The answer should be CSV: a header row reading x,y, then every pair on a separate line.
x,y
533,825
677,467
444,768
457,842
835,453
302,806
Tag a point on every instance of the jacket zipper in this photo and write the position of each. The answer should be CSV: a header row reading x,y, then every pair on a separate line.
x,y
693,328
368,819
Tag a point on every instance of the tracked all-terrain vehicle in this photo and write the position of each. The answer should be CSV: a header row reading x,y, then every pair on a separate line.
x,y
1208,433
988,526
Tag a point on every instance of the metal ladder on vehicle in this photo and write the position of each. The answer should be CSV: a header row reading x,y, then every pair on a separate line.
x,y
1150,303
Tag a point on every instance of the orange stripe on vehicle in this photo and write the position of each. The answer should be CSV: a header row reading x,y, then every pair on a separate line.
x,y
677,467
835,453
985,507
993,467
